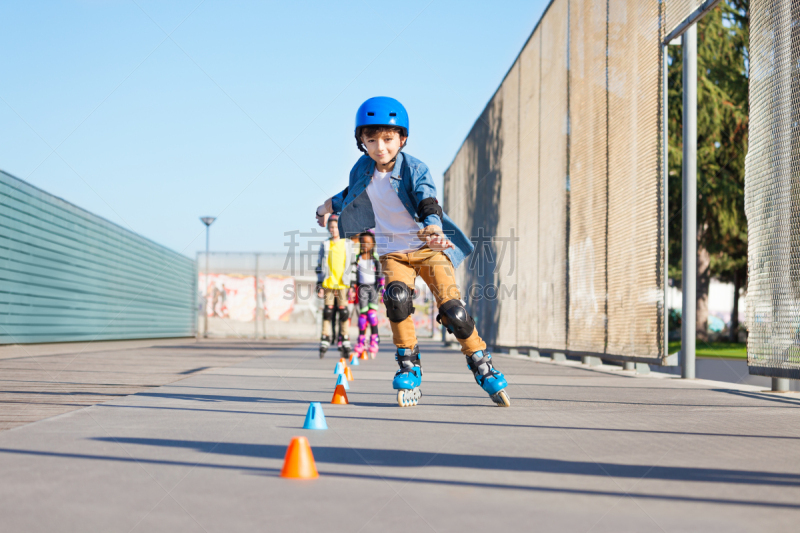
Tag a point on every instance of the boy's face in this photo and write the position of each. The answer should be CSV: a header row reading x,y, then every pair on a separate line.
x,y
383,147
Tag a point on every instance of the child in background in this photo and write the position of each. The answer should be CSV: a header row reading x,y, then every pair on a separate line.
x,y
352,295
369,287
334,271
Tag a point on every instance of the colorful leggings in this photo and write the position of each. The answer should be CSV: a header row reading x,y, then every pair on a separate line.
x,y
368,309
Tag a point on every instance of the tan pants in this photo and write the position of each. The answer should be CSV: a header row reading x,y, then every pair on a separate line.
x,y
331,295
438,273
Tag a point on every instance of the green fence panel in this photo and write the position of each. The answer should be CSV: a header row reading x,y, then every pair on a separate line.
x,y
69,275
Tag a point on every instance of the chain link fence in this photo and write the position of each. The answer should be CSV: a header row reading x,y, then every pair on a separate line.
x,y
565,164
772,190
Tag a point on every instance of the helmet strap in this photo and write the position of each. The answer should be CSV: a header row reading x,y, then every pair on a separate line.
x,y
400,150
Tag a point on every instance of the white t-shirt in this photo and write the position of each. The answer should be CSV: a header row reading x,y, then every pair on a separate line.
x,y
395,230
366,271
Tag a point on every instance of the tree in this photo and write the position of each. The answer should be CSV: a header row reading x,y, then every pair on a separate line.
x,y
722,124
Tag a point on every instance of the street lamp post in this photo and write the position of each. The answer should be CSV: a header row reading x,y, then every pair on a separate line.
x,y
207,221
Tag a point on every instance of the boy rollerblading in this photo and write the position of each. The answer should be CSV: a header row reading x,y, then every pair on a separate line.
x,y
395,192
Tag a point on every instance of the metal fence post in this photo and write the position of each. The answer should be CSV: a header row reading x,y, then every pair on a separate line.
x,y
205,300
780,385
689,312
665,178
264,312
255,315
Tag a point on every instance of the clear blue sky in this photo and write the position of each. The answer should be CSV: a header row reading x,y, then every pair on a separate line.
x,y
152,114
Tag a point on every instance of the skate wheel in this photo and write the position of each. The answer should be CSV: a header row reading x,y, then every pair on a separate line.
x,y
501,399
408,397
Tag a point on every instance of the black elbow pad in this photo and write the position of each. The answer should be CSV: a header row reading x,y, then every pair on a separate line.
x,y
427,207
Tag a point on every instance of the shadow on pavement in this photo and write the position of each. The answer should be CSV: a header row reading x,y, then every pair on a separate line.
x,y
459,422
216,398
767,396
323,455
63,393
410,458
254,347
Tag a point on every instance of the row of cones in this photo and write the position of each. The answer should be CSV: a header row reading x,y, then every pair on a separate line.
x,y
343,376
354,357
299,460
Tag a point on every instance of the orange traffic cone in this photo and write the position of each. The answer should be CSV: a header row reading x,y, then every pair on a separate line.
x,y
339,395
348,374
343,361
299,461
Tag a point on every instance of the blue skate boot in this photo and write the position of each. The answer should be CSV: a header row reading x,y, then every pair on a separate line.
x,y
490,380
408,379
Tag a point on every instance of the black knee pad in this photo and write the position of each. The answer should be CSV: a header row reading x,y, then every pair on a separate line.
x,y
399,301
343,314
327,313
456,319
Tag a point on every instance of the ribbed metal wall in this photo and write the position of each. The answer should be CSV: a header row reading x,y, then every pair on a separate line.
x,y
635,246
527,248
68,275
505,267
483,200
553,186
574,155
588,175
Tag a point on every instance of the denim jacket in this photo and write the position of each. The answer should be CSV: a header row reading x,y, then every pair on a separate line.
x,y
412,182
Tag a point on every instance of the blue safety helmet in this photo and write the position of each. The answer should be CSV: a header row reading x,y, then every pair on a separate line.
x,y
380,111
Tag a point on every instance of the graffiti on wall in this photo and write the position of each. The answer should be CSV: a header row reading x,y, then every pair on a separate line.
x,y
236,297
276,305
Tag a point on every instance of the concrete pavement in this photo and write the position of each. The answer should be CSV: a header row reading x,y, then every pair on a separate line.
x,y
579,450
43,380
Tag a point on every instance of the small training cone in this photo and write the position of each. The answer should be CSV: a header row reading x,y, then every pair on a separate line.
x,y
340,396
341,379
348,374
339,368
363,355
342,360
299,461
354,360
315,418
